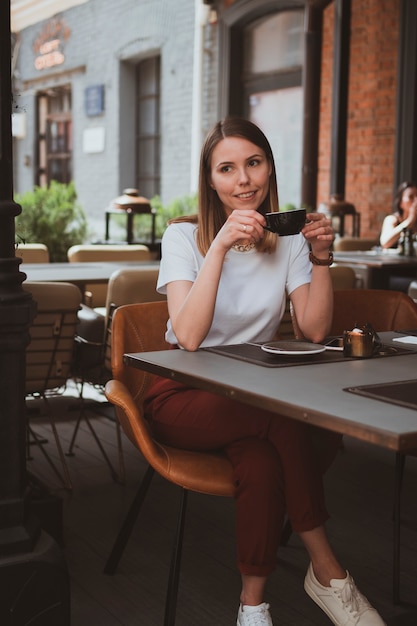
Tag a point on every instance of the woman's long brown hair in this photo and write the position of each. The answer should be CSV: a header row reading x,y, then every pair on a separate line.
x,y
211,214
397,210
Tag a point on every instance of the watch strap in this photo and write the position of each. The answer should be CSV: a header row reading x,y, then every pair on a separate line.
x,y
315,261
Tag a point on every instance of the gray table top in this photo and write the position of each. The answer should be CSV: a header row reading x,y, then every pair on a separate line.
x,y
79,273
311,393
373,258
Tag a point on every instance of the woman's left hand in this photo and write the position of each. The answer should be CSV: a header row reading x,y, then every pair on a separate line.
x,y
319,233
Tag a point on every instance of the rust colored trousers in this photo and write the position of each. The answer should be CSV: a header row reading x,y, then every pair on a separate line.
x,y
276,467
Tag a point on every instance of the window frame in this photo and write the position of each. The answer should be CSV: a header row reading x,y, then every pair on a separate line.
x,y
45,156
149,184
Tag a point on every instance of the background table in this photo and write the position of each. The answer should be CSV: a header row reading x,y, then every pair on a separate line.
x,y
79,274
376,268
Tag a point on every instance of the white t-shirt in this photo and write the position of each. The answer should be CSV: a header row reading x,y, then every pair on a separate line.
x,y
252,290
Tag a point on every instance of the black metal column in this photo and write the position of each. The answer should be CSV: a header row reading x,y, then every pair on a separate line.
x,y
311,89
406,100
342,12
33,578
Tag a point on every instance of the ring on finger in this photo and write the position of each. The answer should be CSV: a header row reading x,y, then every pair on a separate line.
x,y
244,228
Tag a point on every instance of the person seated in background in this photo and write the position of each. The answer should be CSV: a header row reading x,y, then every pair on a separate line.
x,y
404,215
226,278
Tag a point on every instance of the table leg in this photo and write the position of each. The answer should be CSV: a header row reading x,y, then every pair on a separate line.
x,y
130,227
399,470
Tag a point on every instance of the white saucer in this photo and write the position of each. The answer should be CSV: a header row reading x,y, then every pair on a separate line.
x,y
293,348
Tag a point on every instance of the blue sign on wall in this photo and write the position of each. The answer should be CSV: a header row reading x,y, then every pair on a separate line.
x,y
94,100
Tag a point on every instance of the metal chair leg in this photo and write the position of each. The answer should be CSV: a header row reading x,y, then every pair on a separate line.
x,y
128,524
117,477
64,477
40,442
174,574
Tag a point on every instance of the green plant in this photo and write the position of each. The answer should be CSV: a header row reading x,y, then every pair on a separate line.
x,y
287,207
183,205
51,215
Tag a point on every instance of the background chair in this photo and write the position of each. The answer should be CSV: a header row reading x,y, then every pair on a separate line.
x,y
137,328
49,354
92,361
412,290
349,244
32,252
95,295
354,243
342,278
126,286
384,309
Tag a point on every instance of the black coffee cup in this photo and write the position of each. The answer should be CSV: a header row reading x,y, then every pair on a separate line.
x,y
285,222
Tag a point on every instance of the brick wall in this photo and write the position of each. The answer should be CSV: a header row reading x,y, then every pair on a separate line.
x,y
371,110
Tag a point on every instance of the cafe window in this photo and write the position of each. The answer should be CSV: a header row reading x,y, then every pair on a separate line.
x,y
273,48
148,127
54,138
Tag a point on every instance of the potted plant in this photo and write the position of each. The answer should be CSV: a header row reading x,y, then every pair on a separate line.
x,y
51,215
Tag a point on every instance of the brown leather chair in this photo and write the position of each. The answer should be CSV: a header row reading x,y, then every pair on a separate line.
x,y
140,328
384,309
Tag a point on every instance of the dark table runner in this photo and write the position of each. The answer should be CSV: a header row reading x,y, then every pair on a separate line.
x,y
402,393
254,354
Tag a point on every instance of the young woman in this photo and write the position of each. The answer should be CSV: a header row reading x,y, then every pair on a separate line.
x,y
226,280
403,216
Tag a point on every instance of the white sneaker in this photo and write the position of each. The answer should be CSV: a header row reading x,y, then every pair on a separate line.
x,y
342,602
254,615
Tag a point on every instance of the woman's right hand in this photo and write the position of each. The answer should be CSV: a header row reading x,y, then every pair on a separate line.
x,y
243,226
412,216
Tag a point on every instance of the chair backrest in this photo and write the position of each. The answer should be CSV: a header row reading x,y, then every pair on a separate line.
x,y
343,277
33,252
110,252
137,328
49,354
354,243
412,290
384,309
95,295
128,286
131,285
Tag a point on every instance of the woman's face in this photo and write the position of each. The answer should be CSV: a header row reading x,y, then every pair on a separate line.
x,y
408,198
240,174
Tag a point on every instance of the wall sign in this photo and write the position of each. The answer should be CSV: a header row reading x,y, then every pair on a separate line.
x,y
94,100
94,140
48,45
